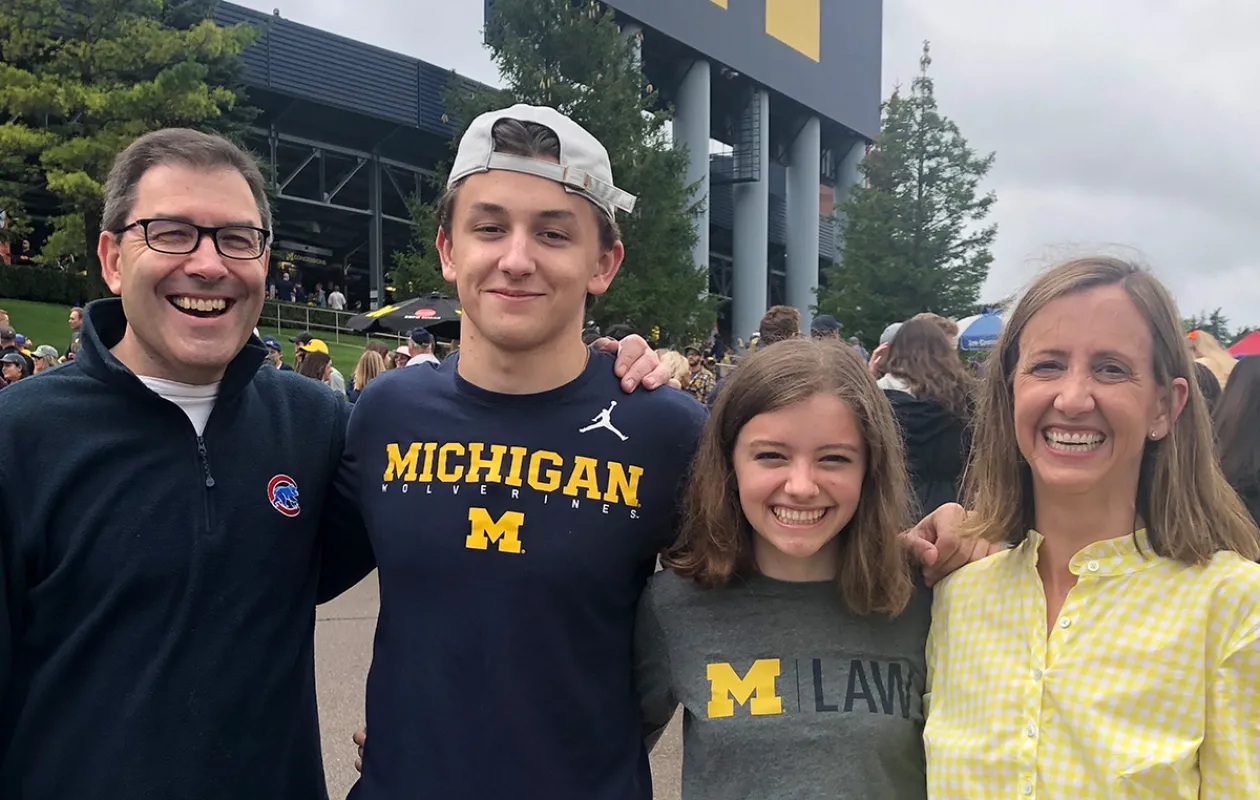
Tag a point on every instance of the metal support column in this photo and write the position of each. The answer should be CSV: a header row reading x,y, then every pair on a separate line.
x,y
633,33
692,125
850,178
749,283
376,268
802,220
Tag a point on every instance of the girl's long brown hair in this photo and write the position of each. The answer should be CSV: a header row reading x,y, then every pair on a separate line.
x,y
715,544
1189,509
313,364
924,357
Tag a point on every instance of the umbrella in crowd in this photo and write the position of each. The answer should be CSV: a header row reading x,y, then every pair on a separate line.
x,y
1249,345
979,332
437,313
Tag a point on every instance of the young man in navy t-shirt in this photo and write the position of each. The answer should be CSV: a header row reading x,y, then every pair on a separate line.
x,y
516,498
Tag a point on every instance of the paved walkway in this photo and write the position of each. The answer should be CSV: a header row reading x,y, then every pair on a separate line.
x,y
343,651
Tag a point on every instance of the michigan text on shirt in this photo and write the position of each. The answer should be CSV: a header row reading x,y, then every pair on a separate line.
x,y
475,466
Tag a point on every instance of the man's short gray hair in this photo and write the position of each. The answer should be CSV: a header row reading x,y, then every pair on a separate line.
x,y
202,151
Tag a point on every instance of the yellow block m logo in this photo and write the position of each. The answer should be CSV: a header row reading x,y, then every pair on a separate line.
x,y
505,531
796,23
756,689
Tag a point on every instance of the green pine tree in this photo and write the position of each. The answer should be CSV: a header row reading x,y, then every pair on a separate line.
x,y
913,236
80,80
573,57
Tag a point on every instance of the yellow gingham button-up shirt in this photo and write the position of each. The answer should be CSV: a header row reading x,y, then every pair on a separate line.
x,y
1147,688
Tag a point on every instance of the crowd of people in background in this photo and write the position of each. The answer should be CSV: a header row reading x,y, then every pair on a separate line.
x,y
20,357
312,359
288,287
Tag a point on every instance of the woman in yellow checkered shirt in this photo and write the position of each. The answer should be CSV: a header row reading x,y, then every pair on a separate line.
x,y
1114,652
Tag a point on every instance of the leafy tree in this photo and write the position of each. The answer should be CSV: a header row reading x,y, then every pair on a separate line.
x,y
1215,323
914,238
1001,305
573,57
80,79
417,270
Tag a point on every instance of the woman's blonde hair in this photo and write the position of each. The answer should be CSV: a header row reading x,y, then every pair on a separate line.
x,y
680,370
715,543
1188,508
1207,351
370,365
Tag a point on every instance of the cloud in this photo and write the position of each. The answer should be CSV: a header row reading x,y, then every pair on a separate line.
x,y
1127,125
447,33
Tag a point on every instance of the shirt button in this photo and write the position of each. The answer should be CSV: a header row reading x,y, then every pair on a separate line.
x,y
1092,566
1037,674
1028,789
1065,622
1031,730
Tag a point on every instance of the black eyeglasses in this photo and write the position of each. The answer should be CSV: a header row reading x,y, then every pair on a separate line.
x,y
176,237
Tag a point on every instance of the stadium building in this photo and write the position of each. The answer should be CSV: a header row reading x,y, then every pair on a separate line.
x,y
776,101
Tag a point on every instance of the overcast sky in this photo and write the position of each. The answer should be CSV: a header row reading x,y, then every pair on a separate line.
x,y
1130,125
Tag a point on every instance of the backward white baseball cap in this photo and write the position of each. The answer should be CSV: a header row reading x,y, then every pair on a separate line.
x,y
583,169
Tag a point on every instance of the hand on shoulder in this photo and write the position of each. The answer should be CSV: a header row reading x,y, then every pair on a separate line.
x,y
937,545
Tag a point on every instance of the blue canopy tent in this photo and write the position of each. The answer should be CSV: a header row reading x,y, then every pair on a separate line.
x,y
979,332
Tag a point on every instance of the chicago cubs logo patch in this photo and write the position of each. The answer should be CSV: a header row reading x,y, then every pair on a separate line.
x,y
282,491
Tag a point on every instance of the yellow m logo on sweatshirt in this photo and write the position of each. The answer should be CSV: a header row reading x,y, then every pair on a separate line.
x,y
756,689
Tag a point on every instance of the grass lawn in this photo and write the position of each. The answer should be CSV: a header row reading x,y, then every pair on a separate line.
x,y
45,323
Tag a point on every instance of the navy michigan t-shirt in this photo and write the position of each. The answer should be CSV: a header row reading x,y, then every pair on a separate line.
x,y
513,536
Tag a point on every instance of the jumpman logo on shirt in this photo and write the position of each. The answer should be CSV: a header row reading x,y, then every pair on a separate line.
x,y
604,420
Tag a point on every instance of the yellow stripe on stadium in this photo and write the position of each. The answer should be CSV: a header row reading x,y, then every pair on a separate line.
x,y
796,23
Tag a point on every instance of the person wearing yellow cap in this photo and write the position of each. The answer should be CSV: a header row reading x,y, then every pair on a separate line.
x,y
306,343
316,362
314,346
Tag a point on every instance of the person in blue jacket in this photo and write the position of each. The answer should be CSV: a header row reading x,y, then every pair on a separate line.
x,y
158,580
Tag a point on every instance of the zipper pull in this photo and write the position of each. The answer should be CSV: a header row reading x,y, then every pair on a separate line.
x,y
205,462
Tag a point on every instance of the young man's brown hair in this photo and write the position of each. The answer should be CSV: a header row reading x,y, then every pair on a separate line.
x,y
944,323
778,324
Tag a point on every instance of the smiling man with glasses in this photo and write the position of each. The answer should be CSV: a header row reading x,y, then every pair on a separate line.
x,y
157,591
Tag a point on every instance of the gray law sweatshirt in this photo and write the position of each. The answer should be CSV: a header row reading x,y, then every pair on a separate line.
x,y
786,694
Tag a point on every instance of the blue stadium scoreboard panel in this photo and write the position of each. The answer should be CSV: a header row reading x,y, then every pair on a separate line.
x,y
824,54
